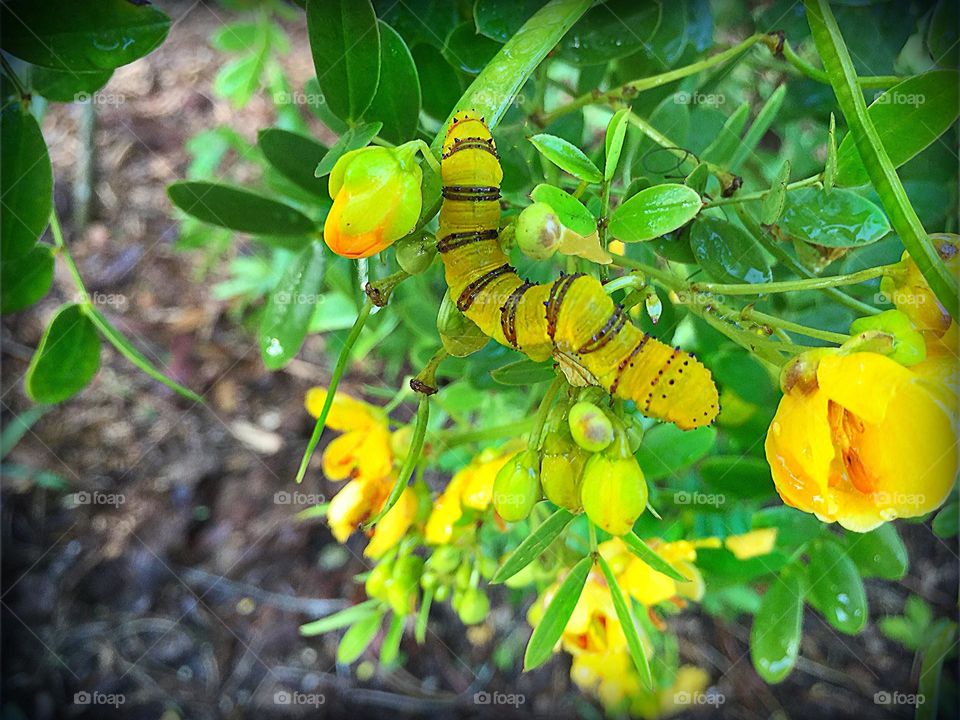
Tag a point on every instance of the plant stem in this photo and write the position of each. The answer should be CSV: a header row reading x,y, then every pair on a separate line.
x,y
765,319
533,441
749,197
816,283
332,388
450,439
815,73
630,280
593,537
63,252
634,87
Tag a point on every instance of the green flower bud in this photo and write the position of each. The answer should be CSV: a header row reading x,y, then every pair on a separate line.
x,y
429,580
415,253
538,231
590,428
561,476
458,333
444,560
402,588
909,347
441,593
613,492
462,579
517,486
378,580
473,606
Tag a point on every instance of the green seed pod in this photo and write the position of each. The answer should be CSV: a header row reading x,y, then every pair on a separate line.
x,y
415,253
378,580
458,333
441,593
462,579
444,560
613,492
402,588
590,428
473,607
538,231
429,580
561,476
517,486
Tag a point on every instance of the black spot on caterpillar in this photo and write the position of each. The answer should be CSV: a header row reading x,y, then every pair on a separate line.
x,y
571,319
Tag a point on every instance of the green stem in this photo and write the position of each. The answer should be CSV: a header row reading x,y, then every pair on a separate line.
x,y
603,221
593,537
623,282
338,371
409,462
533,441
63,252
749,197
634,87
815,73
449,439
817,283
775,322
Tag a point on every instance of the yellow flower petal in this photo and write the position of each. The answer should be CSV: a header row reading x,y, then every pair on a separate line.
x,y
393,526
353,505
752,544
346,413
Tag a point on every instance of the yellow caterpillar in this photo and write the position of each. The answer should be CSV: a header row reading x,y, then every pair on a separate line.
x,y
571,319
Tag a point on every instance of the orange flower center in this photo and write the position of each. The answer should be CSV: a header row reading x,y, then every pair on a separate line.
x,y
848,467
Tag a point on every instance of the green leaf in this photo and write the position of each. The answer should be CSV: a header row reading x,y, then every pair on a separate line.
x,y
931,669
533,546
500,19
66,86
26,180
879,553
908,117
698,177
945,524
627,624
943,34
611,30
738,476
571,211
239,79
465,49
353,139
290,308
423,617
775,635
728,252
727,141
235,36
80,37
238,209
397,102
567,157
667,449
345,42
835,587
556,616
643,551
439,83
295,157
839,219
340,619
126,348
523,372
25,280
613,142
830,166
763,121
794,527
774,200
14,430
390,649
654,212
880,169
358,637
67,358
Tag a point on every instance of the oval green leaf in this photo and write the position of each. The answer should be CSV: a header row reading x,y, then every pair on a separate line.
x,y
439,84
64,86
295,157
613,142
397,102
556,616
290,307
345,43
728,252
567,157
25,280
654,212
532,546
467,50
908,117
667,449
523,372
358,637
500,19
879,553
775,635
353,139
80,37
838,219
26,180
611,30
339,619
771,208
66,360
238,209
738,476
572,213
835,588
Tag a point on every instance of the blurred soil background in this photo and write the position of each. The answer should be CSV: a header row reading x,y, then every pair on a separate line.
x,y
186,596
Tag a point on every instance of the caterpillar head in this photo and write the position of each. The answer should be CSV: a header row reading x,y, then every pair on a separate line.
x,y
466,125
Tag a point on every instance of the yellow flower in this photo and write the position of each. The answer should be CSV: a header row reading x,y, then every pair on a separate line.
x,y
393,526
356,502
752,544
364,450
376,200
650,587
860,440
470,487
908,289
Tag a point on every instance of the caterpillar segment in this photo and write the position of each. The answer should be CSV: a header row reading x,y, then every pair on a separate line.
x,y
571,319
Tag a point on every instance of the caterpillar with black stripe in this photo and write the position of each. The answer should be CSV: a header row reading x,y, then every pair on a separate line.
x,y
571,319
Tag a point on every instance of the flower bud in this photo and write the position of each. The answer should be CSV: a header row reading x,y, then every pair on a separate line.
x,y
561,465
473,606
458,333
442,593
590,428
908,344
376,200
613,492
378,581
538,231
401,590
517,486
415,253
444,560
